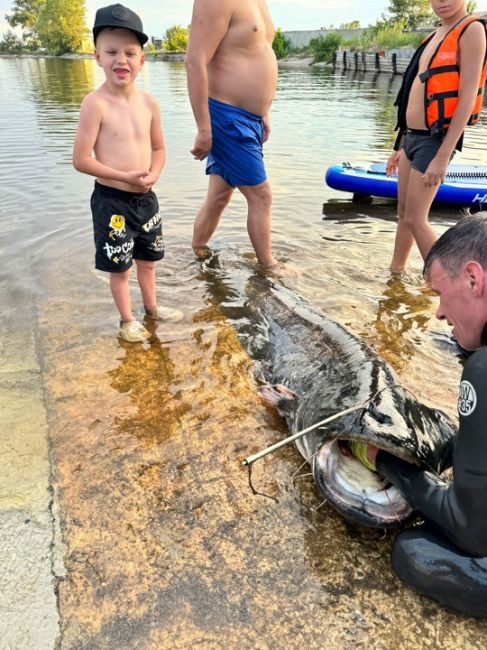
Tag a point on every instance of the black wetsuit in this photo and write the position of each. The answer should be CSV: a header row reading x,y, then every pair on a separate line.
x,y
446,558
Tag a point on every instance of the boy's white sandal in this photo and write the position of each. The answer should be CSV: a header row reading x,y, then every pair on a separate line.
x,y
133,332
164,314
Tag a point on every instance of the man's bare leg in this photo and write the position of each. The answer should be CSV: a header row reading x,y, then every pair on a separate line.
x,y
259,202
208,217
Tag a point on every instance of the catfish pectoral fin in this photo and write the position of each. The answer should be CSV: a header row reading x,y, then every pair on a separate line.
x,y
280,397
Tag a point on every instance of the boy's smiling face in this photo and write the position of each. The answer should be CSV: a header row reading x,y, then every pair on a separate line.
x,y
119,53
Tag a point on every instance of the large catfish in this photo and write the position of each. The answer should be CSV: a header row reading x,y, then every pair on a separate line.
x,y
314,368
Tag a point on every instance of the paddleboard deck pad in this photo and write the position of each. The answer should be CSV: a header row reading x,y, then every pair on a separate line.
x,y
464,185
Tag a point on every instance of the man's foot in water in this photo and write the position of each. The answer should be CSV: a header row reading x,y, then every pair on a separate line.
x,y
281,270
202,252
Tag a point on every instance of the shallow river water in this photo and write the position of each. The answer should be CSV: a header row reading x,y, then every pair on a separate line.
x,y
164,544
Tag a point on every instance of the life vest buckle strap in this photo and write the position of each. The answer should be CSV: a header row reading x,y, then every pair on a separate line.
x,y
441,69
439,97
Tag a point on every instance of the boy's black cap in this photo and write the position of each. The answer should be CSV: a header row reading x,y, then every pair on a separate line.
x,y
119,16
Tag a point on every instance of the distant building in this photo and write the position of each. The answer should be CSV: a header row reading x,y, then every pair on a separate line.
x,y
302,38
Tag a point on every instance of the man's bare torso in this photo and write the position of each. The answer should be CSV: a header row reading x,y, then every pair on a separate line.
x,y
243,70
124,139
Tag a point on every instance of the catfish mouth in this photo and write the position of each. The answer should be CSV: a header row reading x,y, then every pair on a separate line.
x,y
358,493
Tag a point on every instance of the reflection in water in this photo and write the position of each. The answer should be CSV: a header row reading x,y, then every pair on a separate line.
x,y
147,376
61,81
402,315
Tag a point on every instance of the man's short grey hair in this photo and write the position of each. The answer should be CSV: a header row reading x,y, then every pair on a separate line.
x,y
464,242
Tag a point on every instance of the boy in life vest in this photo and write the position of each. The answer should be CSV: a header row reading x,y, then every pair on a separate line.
x,y
442,92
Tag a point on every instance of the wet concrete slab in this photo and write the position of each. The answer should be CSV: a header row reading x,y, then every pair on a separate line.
x,y
166,546
28,562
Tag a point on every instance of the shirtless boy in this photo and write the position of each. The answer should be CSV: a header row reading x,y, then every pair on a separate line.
x,y
232,76
121,125
451,60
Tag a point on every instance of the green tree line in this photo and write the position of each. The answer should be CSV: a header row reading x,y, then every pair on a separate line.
x,y
59,26
394,29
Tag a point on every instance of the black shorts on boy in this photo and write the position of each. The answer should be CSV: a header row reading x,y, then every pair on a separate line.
x,y
126,226
421,147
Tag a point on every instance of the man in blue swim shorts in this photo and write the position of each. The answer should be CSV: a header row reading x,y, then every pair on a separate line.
x,y
232,77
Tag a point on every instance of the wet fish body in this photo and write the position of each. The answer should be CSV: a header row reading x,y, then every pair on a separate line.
x,y
315,368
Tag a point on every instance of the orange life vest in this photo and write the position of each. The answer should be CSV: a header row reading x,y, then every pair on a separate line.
x,y
442,80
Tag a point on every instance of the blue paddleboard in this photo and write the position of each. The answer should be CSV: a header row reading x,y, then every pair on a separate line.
x,y
464,184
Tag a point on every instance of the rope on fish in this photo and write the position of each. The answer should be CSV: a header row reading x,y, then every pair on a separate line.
x,y
256,492
299,434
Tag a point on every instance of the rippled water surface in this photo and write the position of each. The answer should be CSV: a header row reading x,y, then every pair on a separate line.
x,y
165,544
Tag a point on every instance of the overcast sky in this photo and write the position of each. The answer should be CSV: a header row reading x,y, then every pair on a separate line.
x,y
158,15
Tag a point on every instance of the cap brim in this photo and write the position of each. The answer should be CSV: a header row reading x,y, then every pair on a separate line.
x,y
141,37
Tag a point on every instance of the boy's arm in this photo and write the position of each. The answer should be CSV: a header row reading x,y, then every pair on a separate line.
x,y
158,156
209,26
471,54
90,118
158,148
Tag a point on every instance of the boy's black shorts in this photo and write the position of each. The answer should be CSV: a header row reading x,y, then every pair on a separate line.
x,y
126,226
421,147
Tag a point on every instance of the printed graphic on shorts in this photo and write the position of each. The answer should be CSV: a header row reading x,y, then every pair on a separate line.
x,y
153,223
117,226
119,254
158,244
467,399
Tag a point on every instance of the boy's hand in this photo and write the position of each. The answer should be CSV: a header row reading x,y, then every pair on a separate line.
x,y
392,163
202,145
141,178
435,172
148,180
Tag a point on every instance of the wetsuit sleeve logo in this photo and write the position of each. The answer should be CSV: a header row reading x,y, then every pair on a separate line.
x,y
467,399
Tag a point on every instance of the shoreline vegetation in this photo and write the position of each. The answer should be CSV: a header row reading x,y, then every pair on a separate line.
x,y
46,32
319,52
324,51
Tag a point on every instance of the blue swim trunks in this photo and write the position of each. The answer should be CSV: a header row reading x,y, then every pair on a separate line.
x,y
236,153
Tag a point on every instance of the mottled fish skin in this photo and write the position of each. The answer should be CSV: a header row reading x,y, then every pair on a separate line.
x,y
329,369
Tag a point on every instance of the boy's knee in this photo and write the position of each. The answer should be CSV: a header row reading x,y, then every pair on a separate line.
x,y
145,264
410,221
